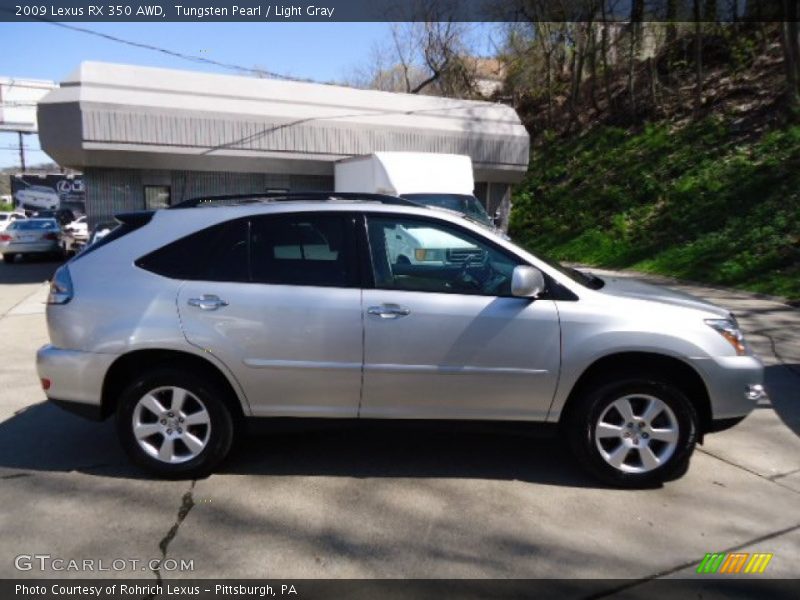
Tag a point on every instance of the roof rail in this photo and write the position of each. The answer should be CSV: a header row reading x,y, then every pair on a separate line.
x,y
293,196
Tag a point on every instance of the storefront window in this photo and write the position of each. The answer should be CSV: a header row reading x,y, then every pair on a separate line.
x,y
156,196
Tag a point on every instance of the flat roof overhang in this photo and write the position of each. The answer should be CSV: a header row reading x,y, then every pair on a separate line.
x,y
119,116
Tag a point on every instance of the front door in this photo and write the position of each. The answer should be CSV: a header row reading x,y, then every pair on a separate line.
x,y
443,336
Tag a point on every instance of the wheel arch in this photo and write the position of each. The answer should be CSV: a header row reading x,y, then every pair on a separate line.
x,y
678,372
133,363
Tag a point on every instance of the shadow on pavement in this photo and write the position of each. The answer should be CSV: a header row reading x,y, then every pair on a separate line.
x,y
410,450
32,269
783,386
43,437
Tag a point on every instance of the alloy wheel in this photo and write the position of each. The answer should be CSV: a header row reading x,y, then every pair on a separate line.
x,y
637,433
171,424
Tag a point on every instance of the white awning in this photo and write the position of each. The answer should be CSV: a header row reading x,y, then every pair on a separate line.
x,y
108,115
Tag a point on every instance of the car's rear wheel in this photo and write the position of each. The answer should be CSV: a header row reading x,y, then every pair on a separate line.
x,y
175,423
9,258
633,432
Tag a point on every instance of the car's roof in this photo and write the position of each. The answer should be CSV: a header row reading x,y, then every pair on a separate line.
x,y
216,212
182,221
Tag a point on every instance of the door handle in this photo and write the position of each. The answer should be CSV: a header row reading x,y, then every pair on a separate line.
x,y
207,302
389,311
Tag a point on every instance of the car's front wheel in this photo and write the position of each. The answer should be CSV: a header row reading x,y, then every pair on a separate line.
x,y
175,423
633,432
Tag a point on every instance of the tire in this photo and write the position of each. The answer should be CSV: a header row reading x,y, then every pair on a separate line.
x,y
642,450
9,258
201,432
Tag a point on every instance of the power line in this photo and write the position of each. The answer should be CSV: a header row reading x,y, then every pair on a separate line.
x,y
14,84
181,55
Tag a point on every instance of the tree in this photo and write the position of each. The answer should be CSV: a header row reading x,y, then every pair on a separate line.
x,y
791,52
698,58
431,57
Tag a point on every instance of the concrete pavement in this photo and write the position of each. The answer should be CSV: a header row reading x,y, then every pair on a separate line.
x,y
392,501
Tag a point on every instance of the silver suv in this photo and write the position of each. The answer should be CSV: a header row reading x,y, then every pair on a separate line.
x,y
186,322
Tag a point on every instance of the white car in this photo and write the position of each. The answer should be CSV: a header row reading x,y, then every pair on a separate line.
x,y
38,197
6,218
78,229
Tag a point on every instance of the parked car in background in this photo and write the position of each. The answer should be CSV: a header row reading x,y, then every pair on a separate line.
x,y
30,236
6,218
79,228
427,178
187,321
76,236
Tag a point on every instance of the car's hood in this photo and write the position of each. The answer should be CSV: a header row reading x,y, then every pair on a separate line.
x,y
631,288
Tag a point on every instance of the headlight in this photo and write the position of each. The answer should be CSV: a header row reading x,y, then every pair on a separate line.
x,y
729,329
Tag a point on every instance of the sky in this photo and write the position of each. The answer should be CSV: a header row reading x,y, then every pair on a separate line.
x,y
318,51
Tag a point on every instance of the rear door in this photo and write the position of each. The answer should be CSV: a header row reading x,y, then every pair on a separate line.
x,y
279,304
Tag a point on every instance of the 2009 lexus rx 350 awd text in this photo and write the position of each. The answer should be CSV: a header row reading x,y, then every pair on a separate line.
x,y
184,322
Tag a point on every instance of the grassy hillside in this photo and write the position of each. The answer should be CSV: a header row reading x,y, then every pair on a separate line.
x,y
697,201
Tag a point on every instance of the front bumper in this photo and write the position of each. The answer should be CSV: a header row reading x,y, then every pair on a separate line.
x,y
731,381
76,377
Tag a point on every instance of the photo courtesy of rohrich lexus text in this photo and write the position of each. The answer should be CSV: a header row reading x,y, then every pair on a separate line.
x,y
347,299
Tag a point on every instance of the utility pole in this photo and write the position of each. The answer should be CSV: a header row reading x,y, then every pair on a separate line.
x,y
21,151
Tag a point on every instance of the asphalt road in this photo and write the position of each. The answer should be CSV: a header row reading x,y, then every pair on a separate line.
x,y
363,502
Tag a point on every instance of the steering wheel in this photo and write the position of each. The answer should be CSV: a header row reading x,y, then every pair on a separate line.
x,y
475,272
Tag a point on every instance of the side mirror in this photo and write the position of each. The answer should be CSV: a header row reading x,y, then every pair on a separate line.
x,y
527,282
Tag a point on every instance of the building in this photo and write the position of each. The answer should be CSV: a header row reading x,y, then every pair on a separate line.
x,y
148,137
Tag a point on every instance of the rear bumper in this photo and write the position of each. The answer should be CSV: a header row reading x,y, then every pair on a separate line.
x,y
76,378
31,248
730,381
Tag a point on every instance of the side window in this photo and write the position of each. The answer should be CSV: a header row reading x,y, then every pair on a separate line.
x,y
218,253
302,249
429,256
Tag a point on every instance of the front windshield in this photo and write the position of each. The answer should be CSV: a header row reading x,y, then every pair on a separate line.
x,y
463,203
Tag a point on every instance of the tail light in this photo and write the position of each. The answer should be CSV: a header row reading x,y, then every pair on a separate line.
x,y
50,236
61,287
5,237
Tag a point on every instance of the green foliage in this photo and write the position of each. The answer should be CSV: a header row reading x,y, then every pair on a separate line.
x,y
6,207
691,202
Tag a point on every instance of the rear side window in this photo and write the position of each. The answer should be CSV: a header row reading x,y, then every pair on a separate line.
x,y
33,225
302,249
218,253
299,249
